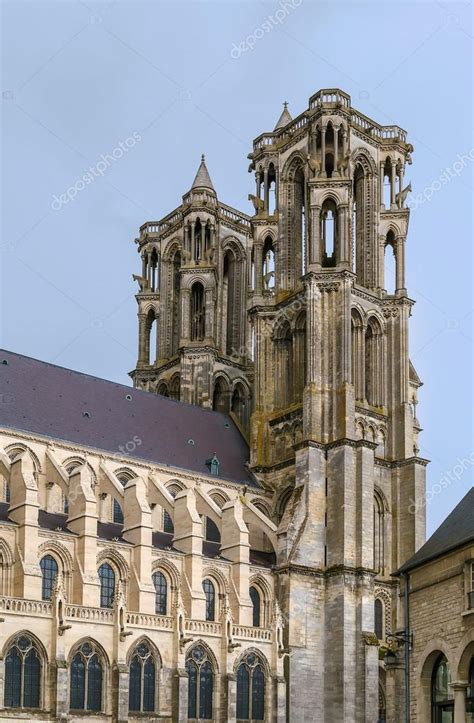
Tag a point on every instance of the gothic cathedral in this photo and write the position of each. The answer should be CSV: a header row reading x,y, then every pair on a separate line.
x,y
295,322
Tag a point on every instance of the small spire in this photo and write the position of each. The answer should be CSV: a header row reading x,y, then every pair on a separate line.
x,y
285,117
202,178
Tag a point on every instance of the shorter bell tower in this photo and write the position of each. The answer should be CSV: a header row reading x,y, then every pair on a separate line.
x,y
193,340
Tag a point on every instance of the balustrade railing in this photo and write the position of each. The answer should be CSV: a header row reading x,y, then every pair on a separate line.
x,y
25,607
81,612
203,627
245,632
142,620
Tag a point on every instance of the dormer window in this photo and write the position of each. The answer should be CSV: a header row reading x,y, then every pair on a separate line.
x,y
213,464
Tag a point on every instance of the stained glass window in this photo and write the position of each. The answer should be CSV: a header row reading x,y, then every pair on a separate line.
x,y
255,598
49,571
22,674
200,684
161,593
142,684
86,679
118,514
107,585
250,689
210,594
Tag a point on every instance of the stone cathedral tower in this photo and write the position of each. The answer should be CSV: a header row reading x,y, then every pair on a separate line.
x,y
295,320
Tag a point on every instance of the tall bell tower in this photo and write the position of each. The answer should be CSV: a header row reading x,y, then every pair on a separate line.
x,y
192,323
334,431
296,321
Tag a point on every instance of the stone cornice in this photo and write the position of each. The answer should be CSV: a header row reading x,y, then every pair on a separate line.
x,y
344,442
146,466
335,570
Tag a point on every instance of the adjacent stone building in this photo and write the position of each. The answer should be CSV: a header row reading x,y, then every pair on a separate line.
x,y
218,542
440,578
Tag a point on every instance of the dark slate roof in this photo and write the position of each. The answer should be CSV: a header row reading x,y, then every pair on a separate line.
x,y
63,404
456,531
52,521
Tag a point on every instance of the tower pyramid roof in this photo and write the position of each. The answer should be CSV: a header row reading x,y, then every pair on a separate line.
x,y
284,119
202,178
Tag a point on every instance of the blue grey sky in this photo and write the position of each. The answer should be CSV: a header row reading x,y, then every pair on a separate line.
x,y
79,78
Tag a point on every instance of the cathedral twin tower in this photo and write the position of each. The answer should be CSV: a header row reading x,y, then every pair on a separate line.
x,y
295,321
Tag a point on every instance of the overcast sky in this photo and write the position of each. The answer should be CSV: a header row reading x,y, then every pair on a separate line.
x,y
165,82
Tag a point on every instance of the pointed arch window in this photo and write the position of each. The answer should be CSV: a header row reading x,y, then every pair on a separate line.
x,y
212,532
117,513
86,679
379,535
329,233
142,685
23,674
210,593
168,525
256,606
198,312
374,371
379,618
442,696
250,689
230,305
161,593
175,301
268,270
221,396
107,585
200,684
49,571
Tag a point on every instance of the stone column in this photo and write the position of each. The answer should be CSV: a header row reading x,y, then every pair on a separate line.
x,y
143,341
231,698
343,239
381,180
400,177
266,190
62,690
193,242
336,149
393,188
459,689
323,151
181,706
185,315
344,143
315,254
258,264
209,314
121,692
400,265
280,684
257,184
